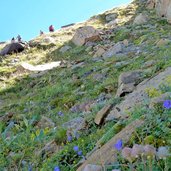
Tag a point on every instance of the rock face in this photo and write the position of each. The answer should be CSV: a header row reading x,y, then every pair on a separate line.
x,y
107,153
168,15
127,82
85,34
139,95
162,7
140,19
12,48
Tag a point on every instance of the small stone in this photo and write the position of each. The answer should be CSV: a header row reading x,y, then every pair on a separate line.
x,y
163,42
65,49
100,116
125,42
99,52
45,123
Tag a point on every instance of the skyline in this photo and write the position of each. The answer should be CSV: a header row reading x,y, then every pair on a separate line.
x,y
29,17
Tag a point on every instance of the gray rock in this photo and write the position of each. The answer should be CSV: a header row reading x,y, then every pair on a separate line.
x,y
110,17
65,49
91,167
140,19
148,64
12,48
75,124
113,50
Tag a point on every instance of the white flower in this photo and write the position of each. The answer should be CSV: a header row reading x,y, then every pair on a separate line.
x,y
162,152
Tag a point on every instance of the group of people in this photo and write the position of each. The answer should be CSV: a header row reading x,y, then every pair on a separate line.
x,y
17,39
51,29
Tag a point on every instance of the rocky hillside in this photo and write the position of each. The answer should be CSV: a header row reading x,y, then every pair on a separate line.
x,y
90,97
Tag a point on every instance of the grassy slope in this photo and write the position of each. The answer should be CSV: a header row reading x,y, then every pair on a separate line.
x,y
30,98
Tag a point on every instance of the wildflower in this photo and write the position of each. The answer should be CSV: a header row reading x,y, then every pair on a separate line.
x,y
80,153
76,148
56,168
162,152
60,113
126,153
69,138
76,134
167,104
137,150
149,150
30,168
118,145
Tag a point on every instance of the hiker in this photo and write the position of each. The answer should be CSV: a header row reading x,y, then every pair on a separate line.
x,y
19,38
13,40
51,28
41,32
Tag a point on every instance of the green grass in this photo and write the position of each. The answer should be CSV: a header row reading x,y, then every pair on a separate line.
x,y
31,98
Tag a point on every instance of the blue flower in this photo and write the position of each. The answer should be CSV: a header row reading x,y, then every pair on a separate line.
x,y
69,138
80,153
118,145
30,168
76,134
76,148
167,104
60,113
56,168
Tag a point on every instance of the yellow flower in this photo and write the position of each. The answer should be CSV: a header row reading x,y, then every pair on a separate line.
x,y
37,132
46,130
32,136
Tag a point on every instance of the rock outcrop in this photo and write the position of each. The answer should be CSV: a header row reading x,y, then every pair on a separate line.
x,y
107,153
15,47
85,34
139,95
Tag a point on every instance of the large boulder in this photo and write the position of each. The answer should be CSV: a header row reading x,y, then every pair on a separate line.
x,y
84,35
117,48
140,19
15,47
162,7
168,14
127,82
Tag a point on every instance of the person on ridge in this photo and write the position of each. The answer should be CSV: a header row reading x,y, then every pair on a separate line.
x,y
51,28
19,38
13,40
41,32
